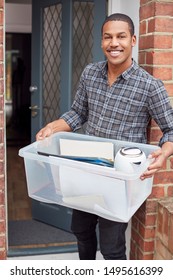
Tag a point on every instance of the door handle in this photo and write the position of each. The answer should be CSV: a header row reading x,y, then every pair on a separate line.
x,y
34,107
33,88
34,110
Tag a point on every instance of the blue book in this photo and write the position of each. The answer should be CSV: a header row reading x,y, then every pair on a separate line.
x,y
92,160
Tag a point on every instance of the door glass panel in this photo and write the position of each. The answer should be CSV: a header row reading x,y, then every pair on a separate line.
x,y
83,23
52,25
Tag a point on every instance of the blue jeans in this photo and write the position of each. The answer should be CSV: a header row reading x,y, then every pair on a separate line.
x,y
111,236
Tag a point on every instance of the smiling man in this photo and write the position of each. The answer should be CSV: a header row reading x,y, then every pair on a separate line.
x,y
116,99
118,39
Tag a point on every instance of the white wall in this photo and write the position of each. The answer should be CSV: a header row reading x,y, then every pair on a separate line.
x,y
18,18
131,8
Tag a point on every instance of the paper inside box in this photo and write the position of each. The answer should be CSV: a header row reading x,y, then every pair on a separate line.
x,y
87,149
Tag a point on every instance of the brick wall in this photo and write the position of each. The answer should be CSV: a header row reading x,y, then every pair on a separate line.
x,y
2,142
156,56
164,230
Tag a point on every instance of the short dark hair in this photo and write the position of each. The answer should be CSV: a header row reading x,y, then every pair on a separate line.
x,y
120,17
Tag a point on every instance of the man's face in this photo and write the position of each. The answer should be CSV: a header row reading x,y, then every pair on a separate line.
x,y
117,43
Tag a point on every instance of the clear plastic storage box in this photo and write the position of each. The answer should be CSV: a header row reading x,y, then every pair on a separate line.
x,y
101,190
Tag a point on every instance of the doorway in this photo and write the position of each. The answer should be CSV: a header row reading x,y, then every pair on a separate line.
x,y
25,235
18,124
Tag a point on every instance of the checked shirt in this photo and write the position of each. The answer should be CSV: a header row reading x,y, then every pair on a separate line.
x,y
121,111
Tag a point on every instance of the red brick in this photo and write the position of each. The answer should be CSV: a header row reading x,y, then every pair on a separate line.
x,y
1,152
2,241
146,246
146,232
151,206
1,36
1,68
147,11
155,41
2,198
2,227
141,214
147,256
2,212
157,192
144,255
135,236
135,223
1,170
143,2
150,220
155,134
169,88
149,69
162,9
159,58
162,250
143,28
153,124
165,226
1,134
160,220
160,25
3,255
163,177
2,182
163,73
1,58
1,87
170,235
171,160
1,120
2,3
133,249
146,42
163,41
170,191
142,58
2,108
1,17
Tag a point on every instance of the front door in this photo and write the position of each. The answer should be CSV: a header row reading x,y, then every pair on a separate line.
x,y
66,37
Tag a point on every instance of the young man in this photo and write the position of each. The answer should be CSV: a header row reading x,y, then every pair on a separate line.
x,y
116,99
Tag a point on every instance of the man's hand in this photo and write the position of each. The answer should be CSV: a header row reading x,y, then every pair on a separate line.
x,y
52,127
44,132
158,160
159,157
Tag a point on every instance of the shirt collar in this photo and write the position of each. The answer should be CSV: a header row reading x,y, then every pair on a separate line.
x,y
126,74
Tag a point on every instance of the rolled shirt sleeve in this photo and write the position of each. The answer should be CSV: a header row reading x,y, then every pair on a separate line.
x,y
161,110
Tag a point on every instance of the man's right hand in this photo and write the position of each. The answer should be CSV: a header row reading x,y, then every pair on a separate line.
x,y
52,127
44,132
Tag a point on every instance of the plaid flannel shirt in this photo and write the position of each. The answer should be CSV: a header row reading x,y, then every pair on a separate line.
x,y
122,111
